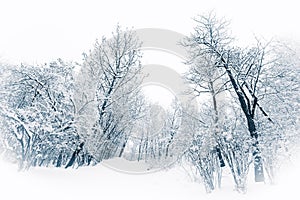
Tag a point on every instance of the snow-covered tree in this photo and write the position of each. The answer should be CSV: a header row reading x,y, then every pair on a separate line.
x,y
241,67
253,78
108,91
38,114
278,92
157,138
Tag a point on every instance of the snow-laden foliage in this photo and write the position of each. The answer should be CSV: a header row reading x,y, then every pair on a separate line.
x,y
254,90
53,116
108,93
38,114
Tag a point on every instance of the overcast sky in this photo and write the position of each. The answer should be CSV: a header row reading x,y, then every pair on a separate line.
x,y
35,31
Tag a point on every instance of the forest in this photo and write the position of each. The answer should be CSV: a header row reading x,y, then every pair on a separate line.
x,y
69,115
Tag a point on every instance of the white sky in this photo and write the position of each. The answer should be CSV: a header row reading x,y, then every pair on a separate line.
x,y
35,31
158,94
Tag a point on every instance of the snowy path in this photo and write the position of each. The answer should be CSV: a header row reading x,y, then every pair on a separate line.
x,y
103,183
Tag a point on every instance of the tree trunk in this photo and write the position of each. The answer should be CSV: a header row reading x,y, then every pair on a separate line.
x,y
74,155
258,165
140,150
221,160
216,123
59,160
123,147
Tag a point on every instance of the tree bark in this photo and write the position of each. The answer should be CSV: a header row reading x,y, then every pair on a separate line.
x,y
258,165
123,147
74,155
216,121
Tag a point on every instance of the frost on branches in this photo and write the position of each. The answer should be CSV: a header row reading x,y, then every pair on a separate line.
x,y
257,91
37,114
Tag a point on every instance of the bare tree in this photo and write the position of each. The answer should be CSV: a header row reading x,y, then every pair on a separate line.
x,y
242,67
38,114
109,82
208,79
278,93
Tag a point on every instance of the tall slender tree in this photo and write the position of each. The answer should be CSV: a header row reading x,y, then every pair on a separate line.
x,y
243,68
109,82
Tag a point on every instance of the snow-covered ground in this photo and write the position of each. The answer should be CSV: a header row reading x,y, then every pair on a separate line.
x,y
101,182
